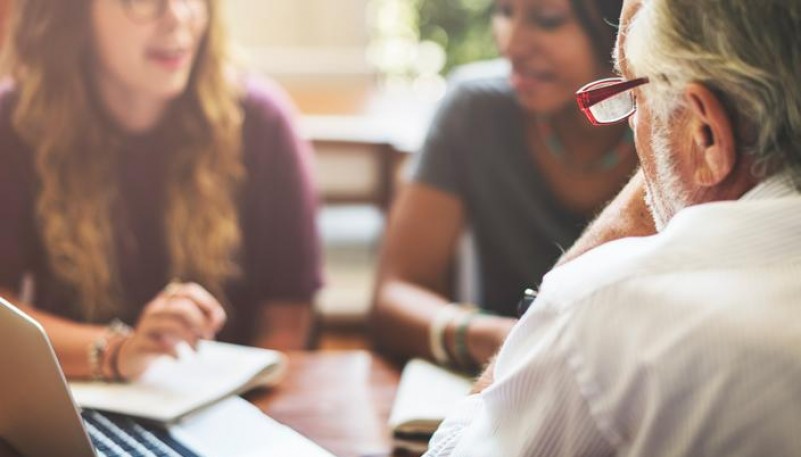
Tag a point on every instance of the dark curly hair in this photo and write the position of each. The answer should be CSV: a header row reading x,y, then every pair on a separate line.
x,y
599,18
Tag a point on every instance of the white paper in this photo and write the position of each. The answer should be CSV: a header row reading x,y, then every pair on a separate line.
x,y
236,428
172,388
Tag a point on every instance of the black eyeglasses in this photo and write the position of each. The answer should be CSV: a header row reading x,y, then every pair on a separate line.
x,y
150,10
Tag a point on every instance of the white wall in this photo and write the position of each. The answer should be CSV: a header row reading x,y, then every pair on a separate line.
x,y
311,23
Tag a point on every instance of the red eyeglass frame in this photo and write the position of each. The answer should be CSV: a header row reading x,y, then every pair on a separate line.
x,y
590,95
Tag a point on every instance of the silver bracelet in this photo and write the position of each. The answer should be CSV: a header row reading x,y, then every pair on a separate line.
x,y
460,349
436,333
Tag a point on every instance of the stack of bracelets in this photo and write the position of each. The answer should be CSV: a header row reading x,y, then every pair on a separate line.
x,y
105,351
460,356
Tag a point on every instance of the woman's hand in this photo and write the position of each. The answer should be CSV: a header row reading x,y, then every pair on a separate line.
x,y
181,313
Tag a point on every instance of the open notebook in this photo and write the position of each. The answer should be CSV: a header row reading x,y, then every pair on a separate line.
x,y
171,389
427,393
38,416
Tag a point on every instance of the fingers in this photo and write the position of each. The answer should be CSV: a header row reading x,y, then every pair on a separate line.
x,y
167,328
212,311
209,305
183,312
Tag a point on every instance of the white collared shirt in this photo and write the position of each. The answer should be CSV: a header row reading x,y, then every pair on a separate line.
x,y
686,343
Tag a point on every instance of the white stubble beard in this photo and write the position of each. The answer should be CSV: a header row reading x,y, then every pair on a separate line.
x,y
665,197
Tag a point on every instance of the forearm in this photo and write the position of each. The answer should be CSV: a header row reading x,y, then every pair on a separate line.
x,y
401,317
625,216
71,340
403,320
285,325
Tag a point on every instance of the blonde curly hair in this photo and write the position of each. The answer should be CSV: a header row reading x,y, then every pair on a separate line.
x,y
57,116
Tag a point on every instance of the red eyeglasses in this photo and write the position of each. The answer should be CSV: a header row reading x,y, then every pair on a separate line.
x,y
608,101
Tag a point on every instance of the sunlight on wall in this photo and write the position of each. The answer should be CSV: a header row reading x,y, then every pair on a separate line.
x,y
399,55
334,56
314,48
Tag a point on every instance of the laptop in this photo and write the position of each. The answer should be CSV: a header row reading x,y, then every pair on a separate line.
x,y
38,417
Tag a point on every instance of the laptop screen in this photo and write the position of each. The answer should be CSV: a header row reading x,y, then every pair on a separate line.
x,y
38,416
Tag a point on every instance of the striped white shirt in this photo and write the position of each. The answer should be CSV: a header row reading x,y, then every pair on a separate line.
x,y
686,343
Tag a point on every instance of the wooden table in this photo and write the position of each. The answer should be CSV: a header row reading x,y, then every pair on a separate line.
x,y
341,400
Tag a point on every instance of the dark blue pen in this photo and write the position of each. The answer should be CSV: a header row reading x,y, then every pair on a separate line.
x,y
525,303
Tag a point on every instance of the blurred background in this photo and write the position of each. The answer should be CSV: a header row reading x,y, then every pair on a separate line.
x,y
336,56
365,76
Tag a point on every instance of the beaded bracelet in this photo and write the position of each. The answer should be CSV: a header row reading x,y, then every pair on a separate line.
x,y
96,353
99,347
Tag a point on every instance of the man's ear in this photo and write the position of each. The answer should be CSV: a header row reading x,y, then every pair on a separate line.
x,y
713,154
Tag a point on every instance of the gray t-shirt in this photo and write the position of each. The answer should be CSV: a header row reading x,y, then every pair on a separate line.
x,y
476,150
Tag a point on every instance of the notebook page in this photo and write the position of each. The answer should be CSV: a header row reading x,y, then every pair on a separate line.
x,y
172,388
427,393
234,427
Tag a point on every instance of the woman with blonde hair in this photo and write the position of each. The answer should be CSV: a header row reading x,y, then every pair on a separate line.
x,y
145,184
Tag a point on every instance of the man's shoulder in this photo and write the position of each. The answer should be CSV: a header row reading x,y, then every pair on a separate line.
x,y
709,237
600,268
678,341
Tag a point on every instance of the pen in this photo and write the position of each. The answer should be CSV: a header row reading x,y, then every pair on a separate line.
x,y
184,349
529,295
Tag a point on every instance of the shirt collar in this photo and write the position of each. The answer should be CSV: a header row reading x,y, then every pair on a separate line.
x,y
777,186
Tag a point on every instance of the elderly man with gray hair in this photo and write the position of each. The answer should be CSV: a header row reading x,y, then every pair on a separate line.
x,y
686,341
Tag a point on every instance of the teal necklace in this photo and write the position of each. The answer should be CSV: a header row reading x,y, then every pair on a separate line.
x,y
611,159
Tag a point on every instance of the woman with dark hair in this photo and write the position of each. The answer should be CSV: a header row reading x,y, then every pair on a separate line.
x,y
512,160
142,180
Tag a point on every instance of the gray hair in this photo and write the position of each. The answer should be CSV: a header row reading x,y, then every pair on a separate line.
x,y
746,51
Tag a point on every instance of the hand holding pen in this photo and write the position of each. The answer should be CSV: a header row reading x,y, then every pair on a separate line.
x,y
181,313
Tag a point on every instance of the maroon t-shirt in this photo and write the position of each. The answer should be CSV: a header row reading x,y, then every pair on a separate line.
x,y
280,255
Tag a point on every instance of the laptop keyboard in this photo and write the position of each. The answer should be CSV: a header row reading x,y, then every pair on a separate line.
x,y
119,436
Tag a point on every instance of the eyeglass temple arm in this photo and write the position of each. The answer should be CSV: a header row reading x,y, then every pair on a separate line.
x,y
590,96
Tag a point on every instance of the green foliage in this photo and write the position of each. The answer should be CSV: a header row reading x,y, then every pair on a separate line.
x,y
461,27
